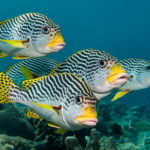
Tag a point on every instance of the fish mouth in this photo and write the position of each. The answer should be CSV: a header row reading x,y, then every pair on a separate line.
x,y
120,79
59,46
57,42
90,122
117,75
88,117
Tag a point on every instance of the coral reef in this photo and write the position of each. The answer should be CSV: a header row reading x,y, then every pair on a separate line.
x,y
120,127
15,143
13,121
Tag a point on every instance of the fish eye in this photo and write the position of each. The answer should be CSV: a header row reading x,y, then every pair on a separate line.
x,y
103,63
148,68
79,100
46,30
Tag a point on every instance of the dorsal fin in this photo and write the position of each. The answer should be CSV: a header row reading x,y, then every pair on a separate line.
x,y
27,83
3,21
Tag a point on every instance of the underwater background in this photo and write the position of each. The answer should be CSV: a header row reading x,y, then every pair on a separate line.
x,y
120,27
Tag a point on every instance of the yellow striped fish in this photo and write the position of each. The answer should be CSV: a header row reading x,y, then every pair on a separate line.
x,y
62,99
139,76
29,35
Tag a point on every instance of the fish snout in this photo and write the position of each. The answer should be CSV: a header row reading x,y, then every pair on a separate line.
x,y
88,117
117,75
59,46
57,42
120,79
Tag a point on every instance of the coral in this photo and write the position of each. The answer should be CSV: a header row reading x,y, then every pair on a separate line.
x,y
14,122
72,143
92,140
120,127
127,146
12,143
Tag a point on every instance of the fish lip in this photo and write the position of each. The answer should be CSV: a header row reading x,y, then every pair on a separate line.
x,y
90,122
121,79
59,46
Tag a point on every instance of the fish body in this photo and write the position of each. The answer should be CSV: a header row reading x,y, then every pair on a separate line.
x,y
40,66
29,35
62,99
138,71
100,70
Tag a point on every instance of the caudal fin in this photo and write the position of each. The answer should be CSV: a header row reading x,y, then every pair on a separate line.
x,y
6,85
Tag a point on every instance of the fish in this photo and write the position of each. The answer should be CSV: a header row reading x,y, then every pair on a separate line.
x,y
64,99
30,68
100,70
138,71
29,35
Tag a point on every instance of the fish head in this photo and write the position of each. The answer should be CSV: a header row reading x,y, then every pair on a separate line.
x,y
105,74
146,76
138,71
80,113
78,104
142,74
44,36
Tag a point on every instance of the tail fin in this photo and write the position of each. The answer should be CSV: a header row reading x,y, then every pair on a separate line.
x,y
6,85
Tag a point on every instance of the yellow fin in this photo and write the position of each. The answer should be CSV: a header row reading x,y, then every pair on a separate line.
x,y
2,54
49,107
28,74
61,131
27,83
14,43
120,94
32,114
53,125
5,86
20,57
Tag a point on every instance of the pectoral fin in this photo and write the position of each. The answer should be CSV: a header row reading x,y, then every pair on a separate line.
x,y
61,131
120,94
28,74
15,43
49,107
53,125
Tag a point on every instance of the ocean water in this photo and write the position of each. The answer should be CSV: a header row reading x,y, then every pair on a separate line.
x,y
120,27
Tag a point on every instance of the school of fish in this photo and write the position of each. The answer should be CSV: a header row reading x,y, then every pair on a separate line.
x,y
63,93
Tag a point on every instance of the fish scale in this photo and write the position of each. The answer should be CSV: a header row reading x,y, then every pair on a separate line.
x,y
83,63
35,90
134,65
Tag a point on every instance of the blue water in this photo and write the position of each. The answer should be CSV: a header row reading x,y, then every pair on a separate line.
x,y
120,27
